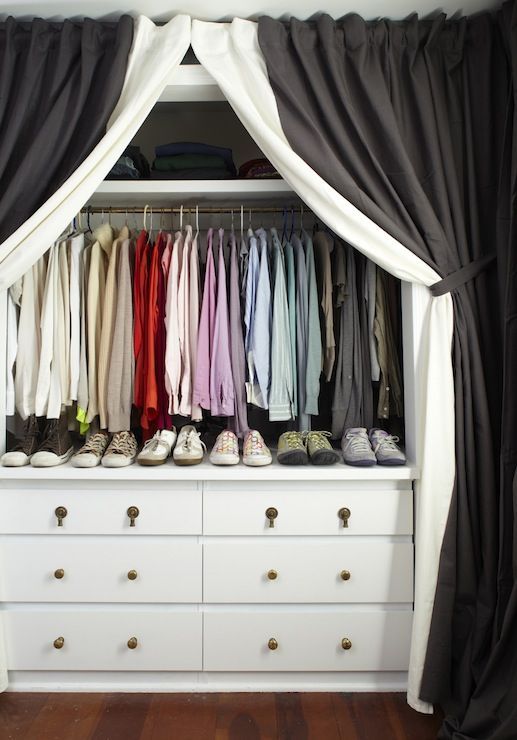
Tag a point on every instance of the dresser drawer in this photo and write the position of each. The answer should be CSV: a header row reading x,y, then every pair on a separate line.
x,y
308,641
308,510
166,641
291,572
174,511
106,569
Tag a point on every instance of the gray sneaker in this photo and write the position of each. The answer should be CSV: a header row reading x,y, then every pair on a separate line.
x,y
356,447
385,448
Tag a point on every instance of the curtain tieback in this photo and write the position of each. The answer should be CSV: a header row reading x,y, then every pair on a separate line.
x,y
456,279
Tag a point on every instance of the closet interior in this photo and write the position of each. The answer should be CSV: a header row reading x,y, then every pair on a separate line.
x,y
80,322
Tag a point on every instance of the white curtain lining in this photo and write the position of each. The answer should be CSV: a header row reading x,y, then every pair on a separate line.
x,y
231,53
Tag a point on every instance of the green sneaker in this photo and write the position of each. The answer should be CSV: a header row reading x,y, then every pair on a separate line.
x,y
319,448
291,449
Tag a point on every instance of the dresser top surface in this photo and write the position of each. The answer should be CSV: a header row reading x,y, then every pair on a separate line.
x,y
208,472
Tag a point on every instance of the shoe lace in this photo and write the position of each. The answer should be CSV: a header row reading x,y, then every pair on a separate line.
x,y
293,439
30,434
389,441
96,444
190,436
225,442
358,442
122,443
50,436
255,443
152,444
317,439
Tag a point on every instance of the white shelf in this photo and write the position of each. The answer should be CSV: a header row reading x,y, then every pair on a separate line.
x,y
193,192
206,471
191,82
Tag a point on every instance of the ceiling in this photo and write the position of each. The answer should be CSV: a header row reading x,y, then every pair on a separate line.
x,y
163,10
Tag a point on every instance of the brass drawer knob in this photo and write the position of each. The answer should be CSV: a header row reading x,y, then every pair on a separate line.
x,y
344,514
60,513
59,573
272,643
272,575
345,575
132,643
271,514
346,644
132,513
59,642
132,575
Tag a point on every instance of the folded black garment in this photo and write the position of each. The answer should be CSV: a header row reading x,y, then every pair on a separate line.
x,y
132,165
124,169
195,174
189,147
140,161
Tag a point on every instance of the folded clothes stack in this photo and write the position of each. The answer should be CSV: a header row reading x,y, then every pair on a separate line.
x,y
191,161
132,165
258,168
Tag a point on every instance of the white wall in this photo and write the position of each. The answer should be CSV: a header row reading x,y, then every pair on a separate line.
x,y
162,10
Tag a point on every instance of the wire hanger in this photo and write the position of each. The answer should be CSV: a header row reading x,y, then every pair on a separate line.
x,y
197,220
242,222
301,219
181,218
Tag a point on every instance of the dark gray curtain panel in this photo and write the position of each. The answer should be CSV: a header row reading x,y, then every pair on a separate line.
x,y
407,120
59,83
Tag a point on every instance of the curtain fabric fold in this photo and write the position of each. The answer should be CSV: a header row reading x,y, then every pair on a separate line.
x,y
231,53
59,84
407,121
155,52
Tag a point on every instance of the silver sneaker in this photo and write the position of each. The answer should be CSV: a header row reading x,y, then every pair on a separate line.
x,y
157,449
385,448
357,449
189,448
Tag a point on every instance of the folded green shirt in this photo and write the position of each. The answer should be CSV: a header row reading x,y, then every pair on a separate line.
x,y
188,162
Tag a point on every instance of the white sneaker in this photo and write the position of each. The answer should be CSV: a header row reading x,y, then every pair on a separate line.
x,y
189,448
255,453
158,449
121,450
90,454
225,450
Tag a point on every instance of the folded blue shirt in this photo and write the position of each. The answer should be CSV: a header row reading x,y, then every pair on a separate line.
x,y
185,147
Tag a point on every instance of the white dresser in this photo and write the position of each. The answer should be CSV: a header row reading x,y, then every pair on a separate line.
x,y
207,578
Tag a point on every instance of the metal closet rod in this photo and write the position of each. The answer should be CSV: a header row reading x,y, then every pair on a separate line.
x,y
192,209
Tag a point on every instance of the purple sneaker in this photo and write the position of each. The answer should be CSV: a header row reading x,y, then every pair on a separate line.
x,y
386,450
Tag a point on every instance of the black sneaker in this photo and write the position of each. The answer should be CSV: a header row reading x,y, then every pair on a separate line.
x,y
56,447
21,454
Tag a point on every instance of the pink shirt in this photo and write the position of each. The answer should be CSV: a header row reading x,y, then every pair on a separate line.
x,y
201,393
222,396
172,347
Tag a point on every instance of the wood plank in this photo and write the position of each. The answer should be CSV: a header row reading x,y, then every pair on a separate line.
x,y
246,716
66,716
411,724
122,716
320,717
18,712
185,716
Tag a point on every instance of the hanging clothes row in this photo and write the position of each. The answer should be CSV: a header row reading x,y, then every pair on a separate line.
x,y
120,328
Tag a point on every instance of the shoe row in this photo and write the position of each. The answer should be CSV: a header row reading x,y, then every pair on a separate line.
x,y
54,446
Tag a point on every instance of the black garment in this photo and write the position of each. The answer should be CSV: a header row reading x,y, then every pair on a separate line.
x,y
406,120
59,83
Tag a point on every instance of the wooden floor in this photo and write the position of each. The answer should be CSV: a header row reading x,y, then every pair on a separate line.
x,y
212,717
